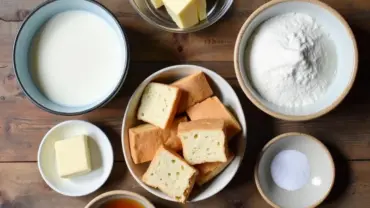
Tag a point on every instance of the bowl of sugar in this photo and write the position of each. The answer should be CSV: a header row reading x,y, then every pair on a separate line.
x,y
296,59
294,170
70,57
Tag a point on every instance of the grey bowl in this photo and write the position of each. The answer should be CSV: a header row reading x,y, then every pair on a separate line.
x,y
160,19
322,172
24,38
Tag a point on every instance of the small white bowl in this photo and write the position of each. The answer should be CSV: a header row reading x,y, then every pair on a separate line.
x,y
118,194
101,158
226,94
341,36
322,172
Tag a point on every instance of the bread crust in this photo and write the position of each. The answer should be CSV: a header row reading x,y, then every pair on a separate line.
x,y
213,108
203,124
195,89
208,171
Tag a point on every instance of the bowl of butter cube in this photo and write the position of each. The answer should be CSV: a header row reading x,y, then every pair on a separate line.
x,y
182,16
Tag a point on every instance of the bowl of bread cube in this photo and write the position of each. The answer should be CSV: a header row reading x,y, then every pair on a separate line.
x,y
184,133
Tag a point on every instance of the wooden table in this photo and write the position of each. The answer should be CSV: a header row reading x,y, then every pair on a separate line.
x,y
346,130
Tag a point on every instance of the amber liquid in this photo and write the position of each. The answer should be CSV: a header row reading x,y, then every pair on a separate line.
x,y
122,203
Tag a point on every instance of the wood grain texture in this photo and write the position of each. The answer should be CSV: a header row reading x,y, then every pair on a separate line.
x,y
23,124
148,43
21,186
345,131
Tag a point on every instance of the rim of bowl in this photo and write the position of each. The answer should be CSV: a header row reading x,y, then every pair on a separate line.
x,y
118,193
46,180
108,97
194,28
126,156
250,95
280,137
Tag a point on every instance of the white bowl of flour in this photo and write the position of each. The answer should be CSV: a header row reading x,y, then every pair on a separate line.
x,y
296,59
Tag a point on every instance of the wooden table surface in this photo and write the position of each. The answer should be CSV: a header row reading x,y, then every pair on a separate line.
x,y
346,130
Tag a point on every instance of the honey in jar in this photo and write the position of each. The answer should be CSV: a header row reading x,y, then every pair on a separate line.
x,y
122,203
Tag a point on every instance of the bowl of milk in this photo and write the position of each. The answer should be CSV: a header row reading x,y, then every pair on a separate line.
x,y
71,57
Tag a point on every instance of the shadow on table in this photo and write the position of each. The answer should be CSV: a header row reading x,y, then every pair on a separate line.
x,y
259,132
342,173
114,137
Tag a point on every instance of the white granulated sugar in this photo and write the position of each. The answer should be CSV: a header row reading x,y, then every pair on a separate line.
x,y
290,60
290,170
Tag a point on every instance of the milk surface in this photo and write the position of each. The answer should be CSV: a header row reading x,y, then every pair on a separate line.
x,y
77,58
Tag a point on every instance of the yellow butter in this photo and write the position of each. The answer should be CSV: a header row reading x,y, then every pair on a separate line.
x,y
202,9
183,12
72,156
157,3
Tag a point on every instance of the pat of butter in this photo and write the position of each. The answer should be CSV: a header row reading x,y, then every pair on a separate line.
x,y
183,12
72,156
157,3
202,9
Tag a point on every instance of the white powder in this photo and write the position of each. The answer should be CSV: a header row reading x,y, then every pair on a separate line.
x,y
291,60
290,170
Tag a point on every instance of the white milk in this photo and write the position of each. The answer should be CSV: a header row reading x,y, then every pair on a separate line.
x,y
77,58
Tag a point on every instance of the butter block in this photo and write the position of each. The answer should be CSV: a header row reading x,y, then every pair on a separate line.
x,y
72,156
183,12
157,3
202,9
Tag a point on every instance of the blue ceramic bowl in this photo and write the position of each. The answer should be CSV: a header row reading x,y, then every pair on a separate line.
x,y
25,36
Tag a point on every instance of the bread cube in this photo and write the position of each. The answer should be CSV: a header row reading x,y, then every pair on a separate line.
x,y
203,141
212,108
195,88
145,139
171,174
159,104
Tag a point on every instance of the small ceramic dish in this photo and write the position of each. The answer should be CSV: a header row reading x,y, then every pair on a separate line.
x,y
23,41
322,172
224,92
344,43
101,158
98,201
160,18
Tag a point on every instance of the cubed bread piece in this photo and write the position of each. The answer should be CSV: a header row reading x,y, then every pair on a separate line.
x,y
159,104
171,174
207,171
144,142
172,141
145,139
203,141
212,108
72,156
195,88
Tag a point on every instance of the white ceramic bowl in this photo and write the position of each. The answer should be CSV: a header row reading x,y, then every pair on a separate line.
x,y
118,194
322,172
101,158
340,34
226,94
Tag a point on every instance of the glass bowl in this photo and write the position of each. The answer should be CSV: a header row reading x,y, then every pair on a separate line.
x,y
160,18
